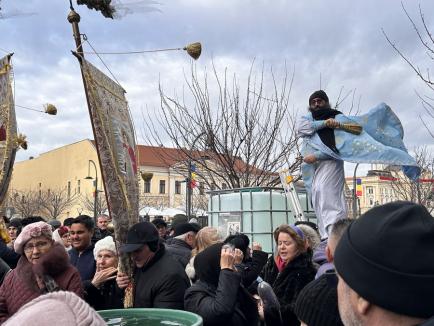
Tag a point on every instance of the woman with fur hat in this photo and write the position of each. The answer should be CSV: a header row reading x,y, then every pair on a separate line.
x,y
43,267
101,292
290,270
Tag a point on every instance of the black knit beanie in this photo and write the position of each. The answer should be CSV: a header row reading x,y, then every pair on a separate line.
x,y
387,257
239,241
319,94
317,303
207,264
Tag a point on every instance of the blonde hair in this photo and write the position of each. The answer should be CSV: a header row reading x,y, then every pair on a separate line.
x,y
206,237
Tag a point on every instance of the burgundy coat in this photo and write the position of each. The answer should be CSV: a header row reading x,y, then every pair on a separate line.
x,y
20,286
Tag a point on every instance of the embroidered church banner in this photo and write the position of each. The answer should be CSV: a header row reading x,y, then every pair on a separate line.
x,y
115,141
8,127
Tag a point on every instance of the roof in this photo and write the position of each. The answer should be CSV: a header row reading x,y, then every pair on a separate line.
x,y
167,157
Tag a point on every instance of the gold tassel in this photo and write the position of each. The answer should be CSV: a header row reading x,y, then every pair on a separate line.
x,y
352,128
50,109
194,50
21,141
129,295
146,176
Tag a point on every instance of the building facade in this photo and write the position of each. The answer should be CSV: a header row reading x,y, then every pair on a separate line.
x,y
69,170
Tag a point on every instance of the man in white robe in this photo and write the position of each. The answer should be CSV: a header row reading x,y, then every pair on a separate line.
x,y
328,180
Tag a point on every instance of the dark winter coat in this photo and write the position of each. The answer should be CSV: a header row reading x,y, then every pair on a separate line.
x,y
252,267
107,296
4,269
161,283
20,286
180,250
228,304
84,262
288,284
9,256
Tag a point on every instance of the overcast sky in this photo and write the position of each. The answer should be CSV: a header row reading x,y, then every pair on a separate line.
x,y
339,40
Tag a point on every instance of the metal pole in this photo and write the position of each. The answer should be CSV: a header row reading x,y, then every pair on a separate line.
x,y
74,19
189,190
354,191
95,201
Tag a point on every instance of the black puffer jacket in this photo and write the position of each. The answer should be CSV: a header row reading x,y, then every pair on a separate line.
x,y
161,283
288,284
228,304
180,250
107,296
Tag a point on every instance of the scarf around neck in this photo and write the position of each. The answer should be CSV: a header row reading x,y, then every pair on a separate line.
x,y
327,135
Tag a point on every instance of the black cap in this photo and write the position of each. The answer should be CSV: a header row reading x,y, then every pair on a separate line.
x,y
319,94
387,256
186,227
138,235
159,222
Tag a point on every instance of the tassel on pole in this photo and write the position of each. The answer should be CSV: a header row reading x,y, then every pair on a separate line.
x,y
50,109
194,50
21,141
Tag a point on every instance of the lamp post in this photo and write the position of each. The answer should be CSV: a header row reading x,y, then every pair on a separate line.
x,y
191,169
354,191
95,185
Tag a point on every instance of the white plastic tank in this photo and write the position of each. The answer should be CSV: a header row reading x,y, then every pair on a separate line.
x,y
256,212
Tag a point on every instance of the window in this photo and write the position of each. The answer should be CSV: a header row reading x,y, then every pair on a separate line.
x,y
147,186
178,187
201,189
371,201
162,186
78,186
370,190
40,189
224,186
69,189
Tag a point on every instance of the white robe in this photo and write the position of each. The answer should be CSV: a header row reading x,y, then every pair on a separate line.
x,y
328,182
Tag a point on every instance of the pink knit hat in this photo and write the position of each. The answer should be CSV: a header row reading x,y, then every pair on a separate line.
x,y
56,308
32,230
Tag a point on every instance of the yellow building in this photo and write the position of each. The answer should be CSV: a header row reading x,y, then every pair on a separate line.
x,y
389,184
376,189
64,170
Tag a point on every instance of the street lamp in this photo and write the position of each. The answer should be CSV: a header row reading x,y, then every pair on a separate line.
x,y
354,191
190,170
95,185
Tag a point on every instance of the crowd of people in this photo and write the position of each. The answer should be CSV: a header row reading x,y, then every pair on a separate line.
x,y
376,270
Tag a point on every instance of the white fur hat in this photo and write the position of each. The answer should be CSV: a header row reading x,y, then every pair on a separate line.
x,y
104,244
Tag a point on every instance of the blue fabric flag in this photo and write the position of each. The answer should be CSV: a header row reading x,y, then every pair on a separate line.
x,y
381,141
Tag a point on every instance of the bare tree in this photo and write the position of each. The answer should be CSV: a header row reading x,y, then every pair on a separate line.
x,y
421,190
426,39
88,203
157,201
233,136
26,203
55,202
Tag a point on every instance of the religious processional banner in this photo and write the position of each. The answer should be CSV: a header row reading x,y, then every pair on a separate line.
x,y
8,127
115,141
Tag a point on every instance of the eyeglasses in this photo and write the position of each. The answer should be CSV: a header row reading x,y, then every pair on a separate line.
x,y
317,101
39,245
